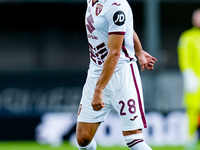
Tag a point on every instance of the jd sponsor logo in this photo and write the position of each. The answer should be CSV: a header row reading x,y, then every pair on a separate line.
x,y
119,18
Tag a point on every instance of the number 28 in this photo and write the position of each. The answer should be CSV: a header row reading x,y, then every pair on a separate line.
x,y
131,107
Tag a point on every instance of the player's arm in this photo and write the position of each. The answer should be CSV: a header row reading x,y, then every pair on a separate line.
x,y
183,49
145,59
114,46
190,79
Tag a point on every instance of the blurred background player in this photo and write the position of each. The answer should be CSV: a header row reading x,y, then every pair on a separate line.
x,y
189,63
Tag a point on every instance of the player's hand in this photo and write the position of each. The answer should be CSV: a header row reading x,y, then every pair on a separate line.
x,y
146,60
97,101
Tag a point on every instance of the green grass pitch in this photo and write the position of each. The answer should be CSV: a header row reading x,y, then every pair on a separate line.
x,y
31,145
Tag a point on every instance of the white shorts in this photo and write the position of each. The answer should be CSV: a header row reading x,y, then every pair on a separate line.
x,y
123,93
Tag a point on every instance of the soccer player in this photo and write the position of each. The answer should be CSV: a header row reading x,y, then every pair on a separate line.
x,y
113,79
189,63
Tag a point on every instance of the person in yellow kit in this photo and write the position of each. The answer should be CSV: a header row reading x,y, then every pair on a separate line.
x,y
189,63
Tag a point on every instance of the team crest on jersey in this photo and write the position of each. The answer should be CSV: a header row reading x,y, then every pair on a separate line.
x,y
99,8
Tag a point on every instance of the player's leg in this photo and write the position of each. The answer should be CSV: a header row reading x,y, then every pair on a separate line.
x,y
199,117
130,107
89,120
192,110
85,133
193,122
199,127
134,140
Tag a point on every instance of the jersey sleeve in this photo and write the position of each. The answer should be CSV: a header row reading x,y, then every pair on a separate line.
x,y
116,17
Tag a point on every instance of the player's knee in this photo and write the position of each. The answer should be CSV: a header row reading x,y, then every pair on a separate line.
x,y
91,146
84,139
